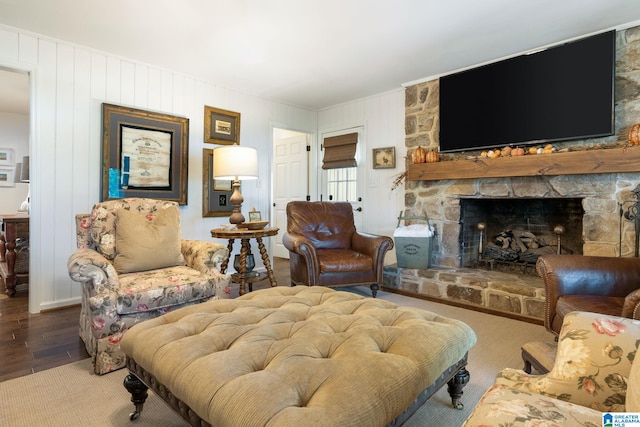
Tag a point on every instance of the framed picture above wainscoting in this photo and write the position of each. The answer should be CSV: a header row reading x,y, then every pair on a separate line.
x,y
145,154
221,126
216,193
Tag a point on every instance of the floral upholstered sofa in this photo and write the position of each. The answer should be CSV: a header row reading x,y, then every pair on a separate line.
x,y
594,376
133,266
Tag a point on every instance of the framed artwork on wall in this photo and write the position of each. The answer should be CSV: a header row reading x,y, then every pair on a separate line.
x,y
384,158
221,126
145,154
6,177
6,157
216,193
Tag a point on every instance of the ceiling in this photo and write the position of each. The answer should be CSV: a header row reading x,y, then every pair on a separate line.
x,y
316,53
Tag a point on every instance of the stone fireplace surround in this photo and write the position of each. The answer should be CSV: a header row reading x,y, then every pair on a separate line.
x,y
604,232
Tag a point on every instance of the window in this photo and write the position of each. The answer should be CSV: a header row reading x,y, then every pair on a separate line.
x,y
342,184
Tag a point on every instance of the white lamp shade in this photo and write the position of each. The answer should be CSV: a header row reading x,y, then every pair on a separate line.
x,y
24,173
235,161
16,179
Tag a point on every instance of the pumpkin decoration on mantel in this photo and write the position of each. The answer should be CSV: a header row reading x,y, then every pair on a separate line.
x,y
633,137
419,155
432,156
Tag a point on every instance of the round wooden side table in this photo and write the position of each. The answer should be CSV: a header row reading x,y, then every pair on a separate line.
x,y
245,235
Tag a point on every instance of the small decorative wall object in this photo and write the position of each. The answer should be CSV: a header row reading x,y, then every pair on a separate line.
x,y
6,177
384,158
6,157
145,154
221,126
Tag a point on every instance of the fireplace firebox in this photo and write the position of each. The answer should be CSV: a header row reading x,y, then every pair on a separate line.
x,y
508,233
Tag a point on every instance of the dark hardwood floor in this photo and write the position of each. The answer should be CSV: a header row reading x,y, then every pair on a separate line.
x,y
35,342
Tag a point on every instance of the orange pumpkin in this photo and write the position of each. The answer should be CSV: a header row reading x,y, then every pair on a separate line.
x,y
518,151
432,157
634,135
419,155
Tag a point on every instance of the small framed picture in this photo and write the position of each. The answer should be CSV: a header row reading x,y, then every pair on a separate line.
x,y
6,177
384,158
255,216
6,156
221,126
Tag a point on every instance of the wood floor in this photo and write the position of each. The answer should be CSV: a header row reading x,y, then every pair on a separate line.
x,y
35,342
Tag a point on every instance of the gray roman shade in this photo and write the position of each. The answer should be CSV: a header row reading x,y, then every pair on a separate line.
x,y
340,151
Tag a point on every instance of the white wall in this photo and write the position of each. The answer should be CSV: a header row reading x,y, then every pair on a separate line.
x,y
382,117
14,134
69,83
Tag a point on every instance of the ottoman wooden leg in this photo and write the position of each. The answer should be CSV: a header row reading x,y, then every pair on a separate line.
x,y
138,392
455,386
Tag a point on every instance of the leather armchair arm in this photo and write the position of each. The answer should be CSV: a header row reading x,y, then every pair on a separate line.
x,y
586,275
370,244
302,246
631,307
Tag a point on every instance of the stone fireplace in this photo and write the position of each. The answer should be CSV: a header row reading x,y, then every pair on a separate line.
x,y
597,198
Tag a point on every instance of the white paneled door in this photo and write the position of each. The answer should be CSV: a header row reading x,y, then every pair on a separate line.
x,y
291,180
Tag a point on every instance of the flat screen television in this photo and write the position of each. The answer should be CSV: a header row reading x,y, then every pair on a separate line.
x,y
560,93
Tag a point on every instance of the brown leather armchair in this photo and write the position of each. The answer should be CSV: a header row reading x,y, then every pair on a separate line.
x,y
607,285
326,250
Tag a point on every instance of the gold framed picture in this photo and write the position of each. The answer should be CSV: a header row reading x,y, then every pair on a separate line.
x,y
144,154
221,126
384,158
216,194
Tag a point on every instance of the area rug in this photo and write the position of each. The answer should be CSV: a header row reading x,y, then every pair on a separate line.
x,y
70,395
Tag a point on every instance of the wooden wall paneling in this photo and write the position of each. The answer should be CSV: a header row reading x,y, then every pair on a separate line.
x,y
112,94
141,86
127,83
9,46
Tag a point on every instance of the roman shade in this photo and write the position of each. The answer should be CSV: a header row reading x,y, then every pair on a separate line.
x,y
340,151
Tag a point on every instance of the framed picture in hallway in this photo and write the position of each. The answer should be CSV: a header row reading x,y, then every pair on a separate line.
x,y
6,177
221,126
6,157
145,154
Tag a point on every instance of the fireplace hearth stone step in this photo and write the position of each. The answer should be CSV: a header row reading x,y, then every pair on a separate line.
x,y
519,296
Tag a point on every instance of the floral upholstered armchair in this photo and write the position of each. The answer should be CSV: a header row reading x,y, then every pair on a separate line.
x,y
595,373
134,266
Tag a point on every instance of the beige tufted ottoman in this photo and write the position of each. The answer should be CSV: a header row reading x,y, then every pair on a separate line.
x,y
300,356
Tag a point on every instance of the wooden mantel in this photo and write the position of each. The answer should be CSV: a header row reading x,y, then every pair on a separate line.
x,y
609,160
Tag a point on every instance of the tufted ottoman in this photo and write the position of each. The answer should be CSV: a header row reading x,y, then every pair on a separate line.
x,y
293,356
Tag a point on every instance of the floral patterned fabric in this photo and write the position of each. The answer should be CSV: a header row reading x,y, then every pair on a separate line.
x,y
595,356
112,303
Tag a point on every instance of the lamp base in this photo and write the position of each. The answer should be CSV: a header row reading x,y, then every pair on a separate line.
x,y
236,200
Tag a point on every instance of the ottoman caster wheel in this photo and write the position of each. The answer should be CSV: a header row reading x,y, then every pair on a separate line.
x,y
134,416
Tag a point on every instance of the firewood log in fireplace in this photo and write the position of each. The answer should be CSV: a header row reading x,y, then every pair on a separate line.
x,y
519,246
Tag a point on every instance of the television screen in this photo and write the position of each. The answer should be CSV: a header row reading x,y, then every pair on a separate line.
x,y
561,93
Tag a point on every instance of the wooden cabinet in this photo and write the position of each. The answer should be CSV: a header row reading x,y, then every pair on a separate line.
x,y
13,269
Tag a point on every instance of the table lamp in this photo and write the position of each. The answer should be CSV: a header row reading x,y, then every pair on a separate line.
x,y
235,163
